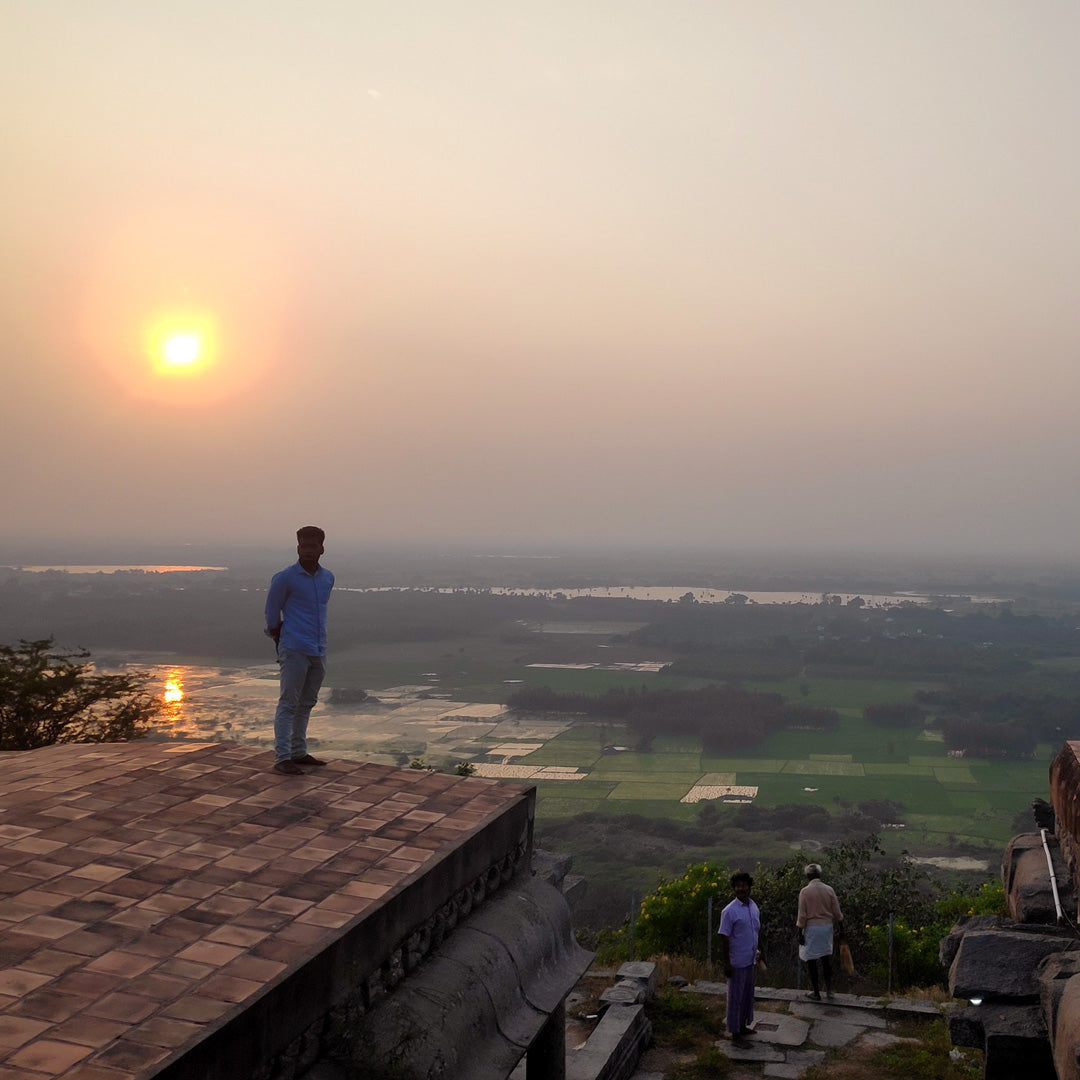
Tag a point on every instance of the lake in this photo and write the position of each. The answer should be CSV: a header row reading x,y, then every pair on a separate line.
x,y
673,593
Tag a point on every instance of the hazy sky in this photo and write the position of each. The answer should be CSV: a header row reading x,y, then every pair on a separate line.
x,y
731,273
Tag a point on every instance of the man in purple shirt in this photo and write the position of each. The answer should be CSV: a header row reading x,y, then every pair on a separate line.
x,y
740,927
296,620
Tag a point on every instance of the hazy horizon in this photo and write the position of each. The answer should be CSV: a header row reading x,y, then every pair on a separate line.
x,y
734,277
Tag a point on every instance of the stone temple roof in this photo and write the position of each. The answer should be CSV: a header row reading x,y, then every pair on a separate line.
x,y
154,895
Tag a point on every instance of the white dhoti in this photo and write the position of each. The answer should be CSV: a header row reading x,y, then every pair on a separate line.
x,y
818,942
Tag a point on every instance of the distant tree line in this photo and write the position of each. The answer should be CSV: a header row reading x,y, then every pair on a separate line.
x,y
725,717
757,663
899,715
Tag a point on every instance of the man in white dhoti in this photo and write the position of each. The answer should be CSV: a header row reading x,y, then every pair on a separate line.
x,y
819,912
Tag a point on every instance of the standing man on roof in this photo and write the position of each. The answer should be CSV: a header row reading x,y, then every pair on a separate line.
x,y
296,620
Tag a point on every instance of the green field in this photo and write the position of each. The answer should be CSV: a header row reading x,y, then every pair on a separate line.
x,y
947,802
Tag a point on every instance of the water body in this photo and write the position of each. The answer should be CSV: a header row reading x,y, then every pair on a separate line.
x,y
107,568
674,593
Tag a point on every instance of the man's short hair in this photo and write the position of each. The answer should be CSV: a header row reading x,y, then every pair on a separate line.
x,y
742,875
813,870
310,532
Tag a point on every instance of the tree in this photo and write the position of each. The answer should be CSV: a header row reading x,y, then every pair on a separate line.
x,y
52,696
673,919
871,885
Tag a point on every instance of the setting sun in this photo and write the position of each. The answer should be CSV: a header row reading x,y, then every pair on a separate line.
x,y
181,349
182,345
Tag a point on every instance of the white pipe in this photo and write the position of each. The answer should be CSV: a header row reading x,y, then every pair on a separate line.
x,y
1053,877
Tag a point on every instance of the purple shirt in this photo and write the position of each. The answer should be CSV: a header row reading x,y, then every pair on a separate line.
x,y
740,924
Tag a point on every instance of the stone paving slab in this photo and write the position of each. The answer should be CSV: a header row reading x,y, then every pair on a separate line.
x,y
833,1033
151,891
815,1010
780,1029
788,994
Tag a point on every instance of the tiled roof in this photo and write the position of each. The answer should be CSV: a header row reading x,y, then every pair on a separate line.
x,y
148,890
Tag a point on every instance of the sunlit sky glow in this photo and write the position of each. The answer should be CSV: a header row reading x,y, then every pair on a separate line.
x,y
737,274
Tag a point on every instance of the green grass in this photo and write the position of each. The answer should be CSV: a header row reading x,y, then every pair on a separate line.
x,y
554,807
824,768
743,764
903,771
958,776
676,744
578,790
655,790
640,766
844,693
1022,776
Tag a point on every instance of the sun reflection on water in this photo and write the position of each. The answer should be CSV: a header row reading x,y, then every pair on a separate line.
x,y
173,694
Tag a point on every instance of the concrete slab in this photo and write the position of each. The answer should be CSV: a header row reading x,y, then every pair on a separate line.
x,y
832,1033
814,1010
780,1029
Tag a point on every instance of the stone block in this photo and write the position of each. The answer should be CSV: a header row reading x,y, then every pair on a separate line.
x,y
624,992
996,965
641,971
1029,888
1013,1039
1059,983
613,1049
950,943
575,886
551,866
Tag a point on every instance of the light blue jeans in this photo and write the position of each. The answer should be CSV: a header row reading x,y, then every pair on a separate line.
x,y
301,678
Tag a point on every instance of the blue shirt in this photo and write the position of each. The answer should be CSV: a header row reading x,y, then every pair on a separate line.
x,y
297,602
740,923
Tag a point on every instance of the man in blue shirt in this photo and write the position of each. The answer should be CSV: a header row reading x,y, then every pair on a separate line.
x,y
740,929
296,620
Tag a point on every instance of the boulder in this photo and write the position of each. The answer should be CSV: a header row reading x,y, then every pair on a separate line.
x,y
1013,1039
1029,888
996,965
1059,995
